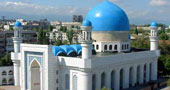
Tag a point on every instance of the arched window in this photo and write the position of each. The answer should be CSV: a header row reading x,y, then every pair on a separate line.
x,y
122,47
4,81
4,73
110,47
127,46
105,47
115,47
10,81
94,82
10,72
103,80
97,47
67,81
93,46
74,82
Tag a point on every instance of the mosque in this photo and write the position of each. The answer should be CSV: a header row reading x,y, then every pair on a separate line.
x,y
104,57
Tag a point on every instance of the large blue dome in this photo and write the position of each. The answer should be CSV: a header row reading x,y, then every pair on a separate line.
x,y
108,17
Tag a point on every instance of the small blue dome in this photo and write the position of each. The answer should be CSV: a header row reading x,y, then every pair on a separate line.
x,y
86,23
108,17
154,24
67,49
77,48
57,50
17,24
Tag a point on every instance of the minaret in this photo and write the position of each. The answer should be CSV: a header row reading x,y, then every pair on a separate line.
x,y
154,46
153,36
17,39
86,40
86,43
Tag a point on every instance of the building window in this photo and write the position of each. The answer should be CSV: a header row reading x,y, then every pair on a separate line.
x,y
4,73
115,47
97,47
10,72
93,46
4,81
105,47
103,76
110,47
67,81
10,81
74,82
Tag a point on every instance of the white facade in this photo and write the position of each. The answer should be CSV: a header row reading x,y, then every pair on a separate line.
x,y
54,69
6,75
36,68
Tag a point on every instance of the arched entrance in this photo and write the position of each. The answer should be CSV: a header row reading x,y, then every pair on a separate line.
x,y
35,76
121,79
112,79
138,74
130,76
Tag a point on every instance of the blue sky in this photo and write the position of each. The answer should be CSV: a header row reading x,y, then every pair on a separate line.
x,y
138,11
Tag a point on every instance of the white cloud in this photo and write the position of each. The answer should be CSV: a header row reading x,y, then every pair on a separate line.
x,y
158,2
34,9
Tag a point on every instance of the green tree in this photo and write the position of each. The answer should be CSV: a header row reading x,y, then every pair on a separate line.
x,y
6,60
35,29
167,63
42,38
141,42
50,28
163,36
69,34
58,42
63,28
40,35
65,42
136,31
11,28
45,39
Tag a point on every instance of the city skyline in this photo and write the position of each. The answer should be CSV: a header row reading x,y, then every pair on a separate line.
x,y
139,12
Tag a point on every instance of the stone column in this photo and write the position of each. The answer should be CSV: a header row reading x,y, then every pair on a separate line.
x,y
16,64
154,70
117,80
85,81
108,79
134,71
126,77
147,72
141,76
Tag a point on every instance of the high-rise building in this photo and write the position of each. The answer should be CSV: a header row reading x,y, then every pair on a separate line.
x,y
77,18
